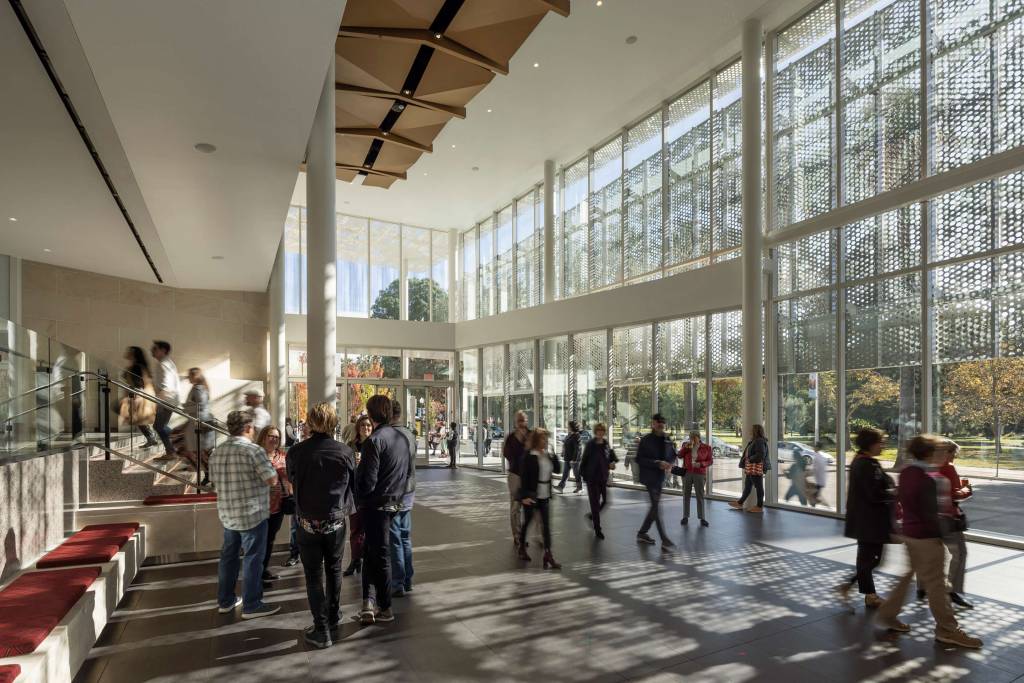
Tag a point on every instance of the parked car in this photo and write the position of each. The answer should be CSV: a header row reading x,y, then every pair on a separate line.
x,y
787,449
720,448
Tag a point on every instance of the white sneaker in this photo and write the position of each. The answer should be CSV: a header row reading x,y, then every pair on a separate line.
x,y
225,610
385,616
368,614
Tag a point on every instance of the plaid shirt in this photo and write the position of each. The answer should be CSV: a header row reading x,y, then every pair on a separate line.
x,y
239,470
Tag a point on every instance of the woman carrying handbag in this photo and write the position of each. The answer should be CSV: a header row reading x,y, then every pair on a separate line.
x,y
281,501
754,464
535,491
134,410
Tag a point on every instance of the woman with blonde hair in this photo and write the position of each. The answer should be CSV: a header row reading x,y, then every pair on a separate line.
x,y
281,501
322,472
199,439
535,491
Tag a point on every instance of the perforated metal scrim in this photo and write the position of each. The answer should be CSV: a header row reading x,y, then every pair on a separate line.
x,y
807,263
962,311
1009,302
642,239
880,87
575,227
807,330
631,355
726,344
520,367
727,161
527,240
494,370
681,348
883,323
485,232
505,244
605,243
687,140
882,244
804,110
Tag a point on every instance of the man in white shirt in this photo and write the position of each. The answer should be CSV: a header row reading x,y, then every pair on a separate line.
x,y
165,381
254,402
820,467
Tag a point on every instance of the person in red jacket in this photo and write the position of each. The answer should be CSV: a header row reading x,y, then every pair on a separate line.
x,y
923,494
697,458
954,525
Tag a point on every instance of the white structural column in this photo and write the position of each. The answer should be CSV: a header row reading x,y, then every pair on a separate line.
x,y
454,267
277,350
322,316
549,231
753,237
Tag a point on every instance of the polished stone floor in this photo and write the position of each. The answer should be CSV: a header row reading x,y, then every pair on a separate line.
x,y
748,599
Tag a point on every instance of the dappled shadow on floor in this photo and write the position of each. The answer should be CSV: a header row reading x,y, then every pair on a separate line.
x,y
735,602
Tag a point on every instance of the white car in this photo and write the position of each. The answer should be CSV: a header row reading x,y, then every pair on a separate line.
x,y
788,448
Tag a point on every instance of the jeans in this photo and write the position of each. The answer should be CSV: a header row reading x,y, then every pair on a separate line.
x,y
356,535
690,482
321,555
163,417
148,432
540,506
869,556
957,547
515,507
376,555
401,550
575,467
273,526
927,560
597,493
654,513
253,543
293,543
753,481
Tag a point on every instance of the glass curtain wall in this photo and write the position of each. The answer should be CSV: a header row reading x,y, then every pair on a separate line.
x,y
681,382
529,244
589,363
641,201
605,240
469,388
632,373
505,245
486,243
575,224
494,422
556,403
521,382
725,348
378,264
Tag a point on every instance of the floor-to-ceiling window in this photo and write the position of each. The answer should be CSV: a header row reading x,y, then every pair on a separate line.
x,y
486,245
575,225
631,378
469,425
521,382
439,303
353,240
529,241
687,143
682,387
556,403
493,422
642,198
416,260
725,348
605,214
469,289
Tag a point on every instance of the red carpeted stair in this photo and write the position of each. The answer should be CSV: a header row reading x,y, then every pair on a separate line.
x,y
8,672
181,499
34,603
94,544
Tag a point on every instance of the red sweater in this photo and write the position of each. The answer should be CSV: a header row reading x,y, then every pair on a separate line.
x,y
703,461
918,496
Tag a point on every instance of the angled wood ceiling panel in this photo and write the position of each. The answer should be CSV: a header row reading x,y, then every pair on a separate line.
x,y
404,68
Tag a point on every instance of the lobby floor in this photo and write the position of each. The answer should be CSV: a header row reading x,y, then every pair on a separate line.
x,y
748,599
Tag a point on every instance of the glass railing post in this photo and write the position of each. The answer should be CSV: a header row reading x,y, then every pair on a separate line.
x,y
105,390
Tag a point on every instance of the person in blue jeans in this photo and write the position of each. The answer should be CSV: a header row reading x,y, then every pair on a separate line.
x,y
242,474
400,546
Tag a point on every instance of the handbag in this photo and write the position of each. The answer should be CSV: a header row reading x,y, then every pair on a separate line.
x,y
288,505
754,469
960,521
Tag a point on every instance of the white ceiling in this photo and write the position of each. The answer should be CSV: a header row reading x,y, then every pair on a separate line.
x,y
589,84
244,75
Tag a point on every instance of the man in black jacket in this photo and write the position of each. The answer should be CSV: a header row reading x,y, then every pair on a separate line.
x,y
654,457
321,471
380,485
401,523
571,456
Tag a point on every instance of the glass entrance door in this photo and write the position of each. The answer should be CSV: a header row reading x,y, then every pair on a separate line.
x,y
426,411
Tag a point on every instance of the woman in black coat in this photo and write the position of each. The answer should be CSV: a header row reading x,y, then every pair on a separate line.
x,y
535,491
869,513
598,458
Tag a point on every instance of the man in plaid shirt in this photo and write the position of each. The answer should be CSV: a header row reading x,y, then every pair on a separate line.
x,y
242,474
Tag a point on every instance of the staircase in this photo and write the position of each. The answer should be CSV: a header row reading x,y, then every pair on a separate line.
x,y
118,480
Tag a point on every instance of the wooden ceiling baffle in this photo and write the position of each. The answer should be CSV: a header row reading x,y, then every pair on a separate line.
x,y
405,68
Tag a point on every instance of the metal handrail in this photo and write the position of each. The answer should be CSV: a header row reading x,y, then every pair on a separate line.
x,y
154,468
39,388
34,409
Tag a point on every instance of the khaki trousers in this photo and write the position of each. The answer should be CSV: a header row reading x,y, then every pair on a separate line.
x,y
515,507
927,560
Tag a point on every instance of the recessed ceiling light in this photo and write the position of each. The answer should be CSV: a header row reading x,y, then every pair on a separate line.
x,y
424,173
13,219
217,258
453,146
488,111
599,2
384,133
438,36
407,92
536,65
630,40
47,250
205,147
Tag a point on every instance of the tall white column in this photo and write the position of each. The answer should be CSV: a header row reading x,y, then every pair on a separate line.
x,y
322,313
277,351
753,237
549,231
454,267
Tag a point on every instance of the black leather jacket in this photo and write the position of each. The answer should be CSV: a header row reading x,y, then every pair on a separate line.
x,y
383,469
652,451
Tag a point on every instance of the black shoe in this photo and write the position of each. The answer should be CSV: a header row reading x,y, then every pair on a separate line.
x,y
958,599
354,567
921,595
684,521
667,546
589,516
577,490
704,522
644,538
599,535
267,585
268,576
291,561
316,638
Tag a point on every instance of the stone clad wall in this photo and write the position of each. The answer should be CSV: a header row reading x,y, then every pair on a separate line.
x,y
223,332
31,511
